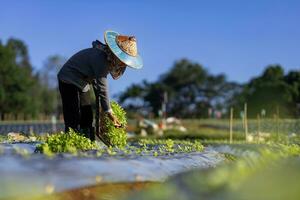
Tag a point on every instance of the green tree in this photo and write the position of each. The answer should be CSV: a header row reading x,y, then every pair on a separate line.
x,y
21,90
49,85
8,80
16,80
191,90
270,92
293,79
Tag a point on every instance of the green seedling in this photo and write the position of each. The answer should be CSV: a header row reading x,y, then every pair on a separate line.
x,y
3,138
111,151
170,146
115,136
70,142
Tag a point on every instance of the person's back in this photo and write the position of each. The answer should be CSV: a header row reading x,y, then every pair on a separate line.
x,y
83,67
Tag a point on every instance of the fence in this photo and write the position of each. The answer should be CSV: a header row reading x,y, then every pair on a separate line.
x,y
263,125
282,126
38,127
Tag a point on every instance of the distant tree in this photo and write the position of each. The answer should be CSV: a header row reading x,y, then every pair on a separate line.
x,y
49,85
293,79
133,99
134,93
48,73
8,77
17,80
20,52
183,83
154,96
271,92
191,90
22,91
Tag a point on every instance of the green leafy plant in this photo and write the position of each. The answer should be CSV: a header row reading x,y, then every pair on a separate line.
x,y
3,138
69,142
117,137
170,145
166,146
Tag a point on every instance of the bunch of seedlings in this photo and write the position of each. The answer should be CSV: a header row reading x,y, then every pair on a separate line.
x,y
70,142
167,146
114,136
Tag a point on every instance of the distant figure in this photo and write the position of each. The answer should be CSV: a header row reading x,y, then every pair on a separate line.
x,y
146,127
91,66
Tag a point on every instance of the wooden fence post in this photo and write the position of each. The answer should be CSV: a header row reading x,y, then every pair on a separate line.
x,y
277,122
258,127
230,124
246,121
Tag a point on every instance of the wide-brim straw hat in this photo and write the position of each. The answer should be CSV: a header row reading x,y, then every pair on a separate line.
x,y
125,48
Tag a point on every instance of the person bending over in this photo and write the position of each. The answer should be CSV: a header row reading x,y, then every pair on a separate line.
x,y
90,67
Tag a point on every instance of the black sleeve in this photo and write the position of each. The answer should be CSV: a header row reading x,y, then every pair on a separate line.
x,y
100,69
101,89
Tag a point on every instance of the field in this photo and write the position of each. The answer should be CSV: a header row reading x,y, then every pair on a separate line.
x,y
149,100
201,163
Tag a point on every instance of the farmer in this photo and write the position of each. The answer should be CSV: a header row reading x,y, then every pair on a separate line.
x,y
90,67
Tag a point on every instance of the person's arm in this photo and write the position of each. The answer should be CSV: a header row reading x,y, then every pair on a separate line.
x,y
101,89
97,62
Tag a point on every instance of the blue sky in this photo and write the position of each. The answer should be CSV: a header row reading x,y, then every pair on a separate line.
x,y
238,38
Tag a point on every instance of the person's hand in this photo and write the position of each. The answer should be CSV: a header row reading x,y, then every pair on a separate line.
x,y
114,119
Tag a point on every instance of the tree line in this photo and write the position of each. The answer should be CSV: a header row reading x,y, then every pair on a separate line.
x,y
24,91
193,92
187,90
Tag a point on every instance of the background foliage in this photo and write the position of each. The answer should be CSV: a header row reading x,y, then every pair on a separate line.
x,y
23,90
188,89
195,92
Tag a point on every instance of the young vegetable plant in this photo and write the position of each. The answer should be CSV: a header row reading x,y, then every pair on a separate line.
x,y
69,142
117,137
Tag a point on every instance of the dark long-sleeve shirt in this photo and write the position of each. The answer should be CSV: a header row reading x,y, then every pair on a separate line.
x,y
84,67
